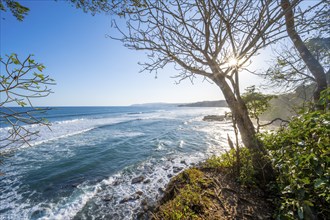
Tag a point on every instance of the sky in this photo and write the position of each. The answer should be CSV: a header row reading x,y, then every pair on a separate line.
x,y
91,69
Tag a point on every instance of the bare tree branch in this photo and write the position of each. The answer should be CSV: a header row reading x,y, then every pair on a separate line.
x,y
21,81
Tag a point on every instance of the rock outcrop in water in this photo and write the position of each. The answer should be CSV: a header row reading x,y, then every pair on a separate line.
x,y
138,179
216,118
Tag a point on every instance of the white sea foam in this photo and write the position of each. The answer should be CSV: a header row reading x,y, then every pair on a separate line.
x,y
108,202
67,128
68,207
103,200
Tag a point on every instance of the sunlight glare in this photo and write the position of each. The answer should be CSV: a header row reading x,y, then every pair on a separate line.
x,y
232,62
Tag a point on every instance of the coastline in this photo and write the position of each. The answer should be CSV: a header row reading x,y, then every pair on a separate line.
x,y
205,192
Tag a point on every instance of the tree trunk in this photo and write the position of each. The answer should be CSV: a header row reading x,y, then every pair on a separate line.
x,y
311,62
264,170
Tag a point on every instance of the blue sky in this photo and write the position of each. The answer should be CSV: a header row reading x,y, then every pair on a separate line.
x,y
89,68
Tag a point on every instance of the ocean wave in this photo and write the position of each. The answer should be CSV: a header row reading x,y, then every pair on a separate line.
x,y
118,198
164,144
64,129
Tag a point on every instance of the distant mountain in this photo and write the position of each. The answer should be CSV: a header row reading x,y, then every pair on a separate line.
x,y
156,104
219,103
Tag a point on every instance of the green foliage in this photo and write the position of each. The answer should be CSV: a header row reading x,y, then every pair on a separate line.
x,y
185,205
20,81
18,10
325,98
256,102
119,7
189,201
301,157
228,160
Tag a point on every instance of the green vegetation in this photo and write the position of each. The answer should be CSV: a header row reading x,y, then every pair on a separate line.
x,y
19,11
21,81
256,103
228,161
299,153
213,191
188,193
301,156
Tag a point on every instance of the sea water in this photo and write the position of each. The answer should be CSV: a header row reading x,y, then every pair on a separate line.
x,y
83,168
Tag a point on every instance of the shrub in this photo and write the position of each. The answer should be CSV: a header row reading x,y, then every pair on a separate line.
x,y
229,161
301,157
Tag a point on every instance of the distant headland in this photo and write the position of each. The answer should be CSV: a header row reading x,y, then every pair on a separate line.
x,y
218,103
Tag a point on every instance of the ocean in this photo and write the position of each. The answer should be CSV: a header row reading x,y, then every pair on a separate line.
x,y
83,168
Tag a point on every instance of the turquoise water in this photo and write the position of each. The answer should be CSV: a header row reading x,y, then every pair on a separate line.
x,y
83,168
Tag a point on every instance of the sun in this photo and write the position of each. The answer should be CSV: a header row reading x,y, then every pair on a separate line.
x,y
232,62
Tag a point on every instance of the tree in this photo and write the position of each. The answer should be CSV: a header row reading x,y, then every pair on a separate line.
x,y
20,82
212,39
18,10
310,60
290,71
118,7
256,103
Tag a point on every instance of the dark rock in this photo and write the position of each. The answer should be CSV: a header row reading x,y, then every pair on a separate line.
x,y
107,199
169,175
129,199
140,215
177,169
147,181
161,190
214,118
170,159
160,180
124,200
74,185
183,162
144,202
145,208
116,182
139,193
138,179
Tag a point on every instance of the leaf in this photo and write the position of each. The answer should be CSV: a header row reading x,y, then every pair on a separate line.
x,y
318,183
40,68
309,203
41,76
21,103
15,61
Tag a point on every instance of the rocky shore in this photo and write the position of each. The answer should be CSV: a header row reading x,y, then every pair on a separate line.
x,y
201,192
